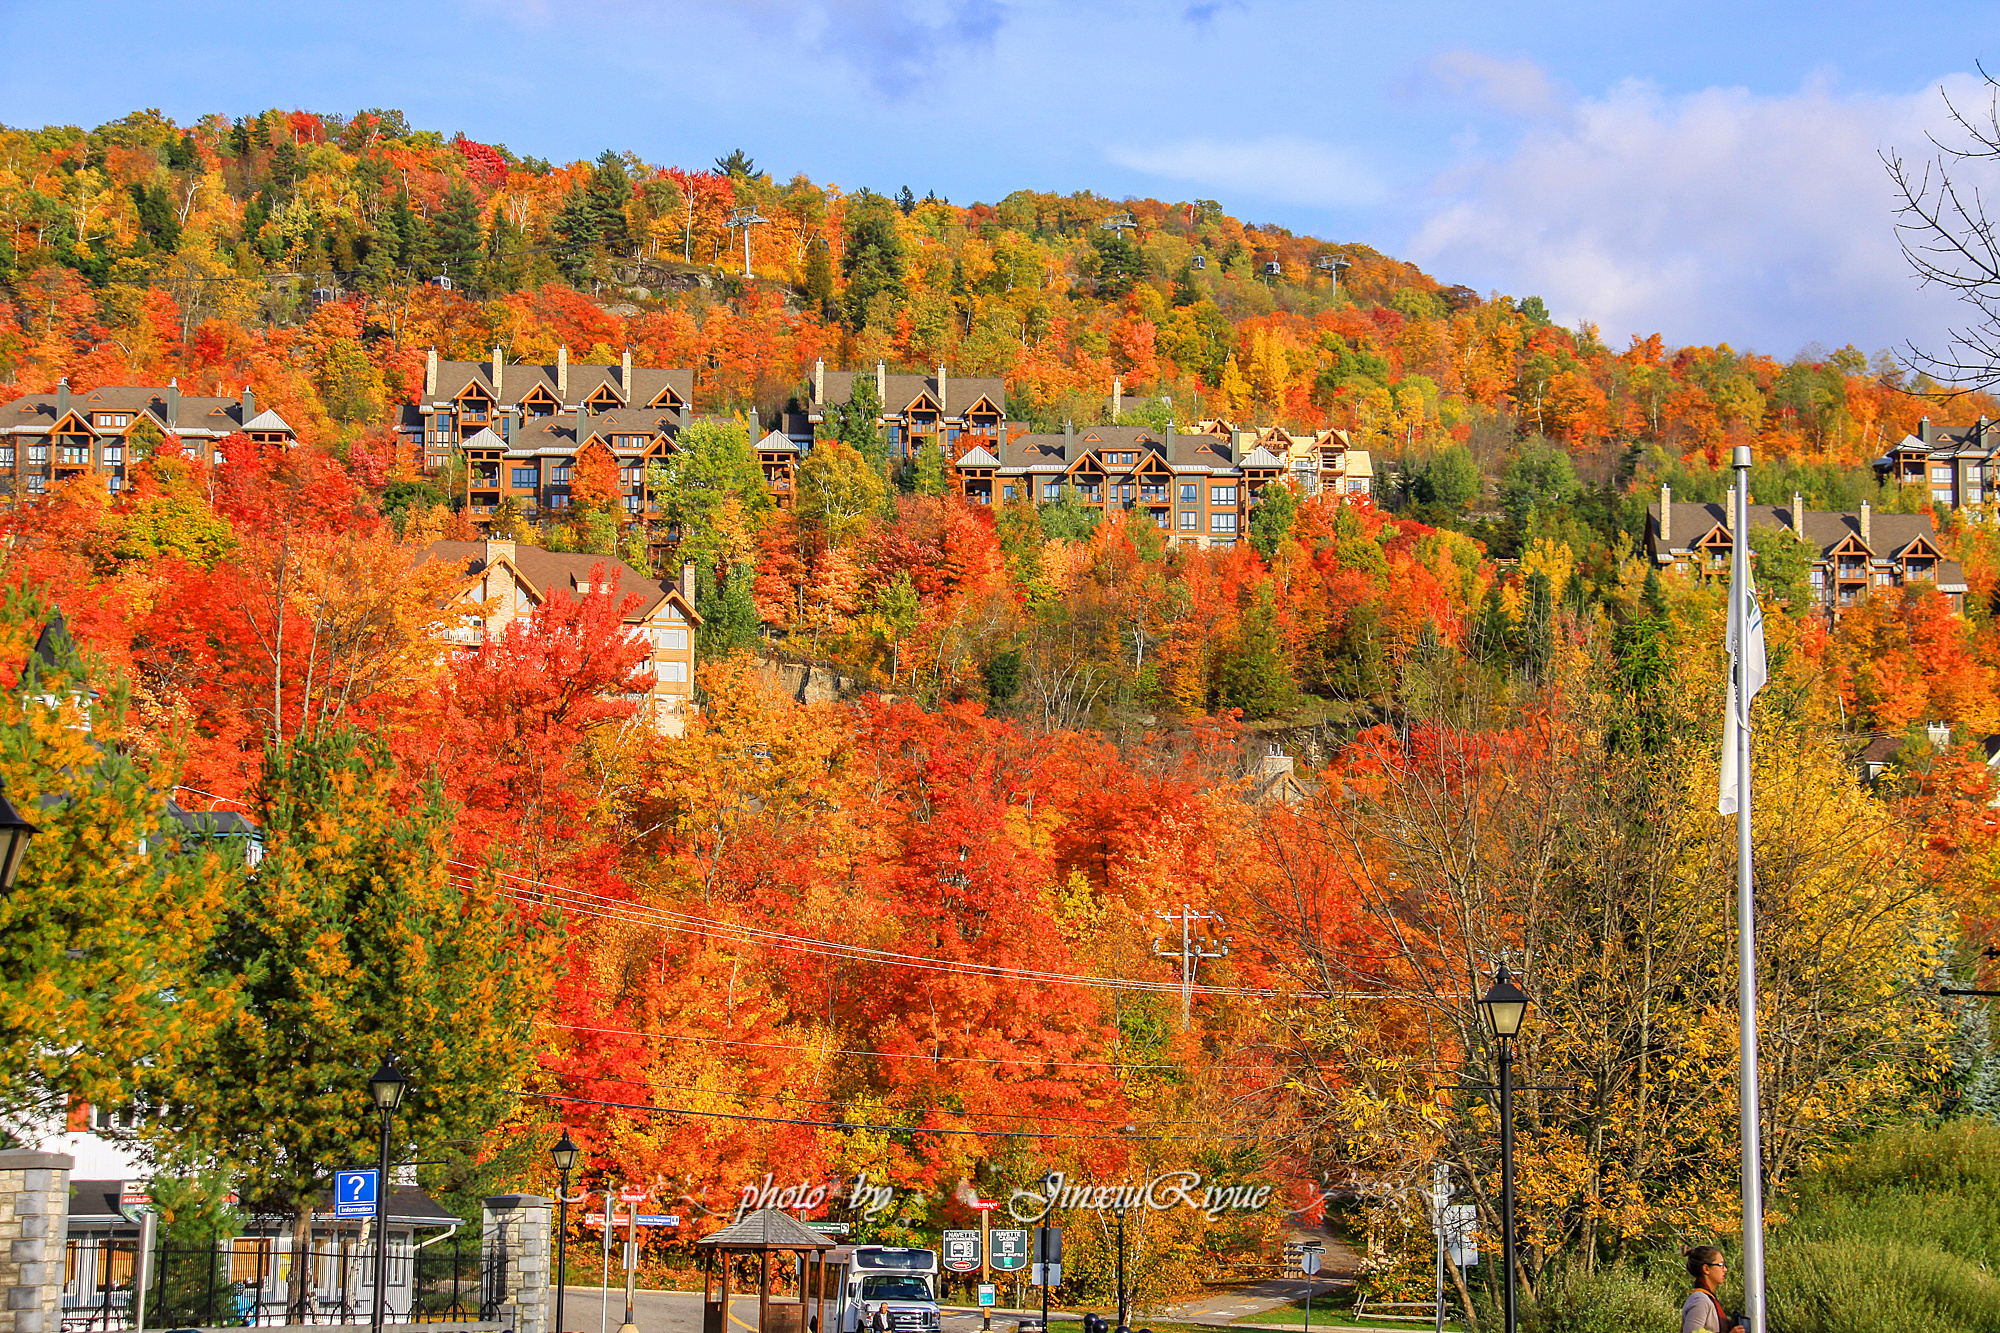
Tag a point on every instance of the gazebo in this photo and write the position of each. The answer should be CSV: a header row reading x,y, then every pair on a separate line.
x,y
765,1232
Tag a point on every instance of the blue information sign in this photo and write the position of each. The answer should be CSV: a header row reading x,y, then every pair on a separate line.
x,y
354,1192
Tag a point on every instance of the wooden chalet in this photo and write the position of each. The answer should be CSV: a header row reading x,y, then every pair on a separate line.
x,y
50,437
1959,467
523,430
505,581
1853,553
955,413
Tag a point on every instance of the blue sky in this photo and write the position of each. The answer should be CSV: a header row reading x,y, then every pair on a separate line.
x,y
1704,170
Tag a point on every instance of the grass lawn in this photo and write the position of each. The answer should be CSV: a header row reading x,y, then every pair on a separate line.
x,y
1334,1310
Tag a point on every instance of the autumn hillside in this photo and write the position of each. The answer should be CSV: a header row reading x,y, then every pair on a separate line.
x,y
929,929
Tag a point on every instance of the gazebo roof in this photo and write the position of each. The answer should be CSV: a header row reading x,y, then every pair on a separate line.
x,y
768,1229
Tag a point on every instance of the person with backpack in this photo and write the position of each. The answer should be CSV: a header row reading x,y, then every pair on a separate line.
x,y
1703,1312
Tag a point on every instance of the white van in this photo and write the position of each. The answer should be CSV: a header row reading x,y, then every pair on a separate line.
x,y
901,1283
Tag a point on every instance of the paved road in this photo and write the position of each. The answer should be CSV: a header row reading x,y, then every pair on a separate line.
x,y
587,1310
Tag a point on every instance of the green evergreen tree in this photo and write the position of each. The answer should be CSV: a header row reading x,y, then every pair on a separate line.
x,y
711,461
819,282
1271,520
872,260
609,191
928,473
730,621
1538,628
1252,673
359,940
455,238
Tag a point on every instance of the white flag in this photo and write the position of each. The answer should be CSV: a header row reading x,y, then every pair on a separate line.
x,y
1755,672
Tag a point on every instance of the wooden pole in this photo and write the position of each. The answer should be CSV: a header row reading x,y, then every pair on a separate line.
x,y
722,1258
764,1281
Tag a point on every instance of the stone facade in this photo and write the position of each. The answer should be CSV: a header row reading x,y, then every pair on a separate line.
x,y
516,1260
34,1208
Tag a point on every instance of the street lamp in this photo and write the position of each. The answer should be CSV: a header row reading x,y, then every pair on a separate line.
x,y
1505,1006
14,834
386,1085
565,1154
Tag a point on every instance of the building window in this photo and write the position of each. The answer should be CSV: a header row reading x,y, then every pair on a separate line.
x,y
560,500
117,483
114,419
1221,495
1159,518
559,474
37,483
1190,492
73,455
1092,491
114,454
1153,492
1009,492
670,639
1941,495
1941,475
630,476
674,671
1126,491
632,504
1051,491
1190,521
1222,522
38,455
524,478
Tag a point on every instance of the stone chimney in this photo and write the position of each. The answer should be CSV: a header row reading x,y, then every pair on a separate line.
x,y
498,550
562,374
499,366
687,581
1799,515
62,396
174,403
944,389
1117,397
625,384
819,380
431,373
249,404
1274,763
1666,514
1069,440
882,384
1868,528
756,428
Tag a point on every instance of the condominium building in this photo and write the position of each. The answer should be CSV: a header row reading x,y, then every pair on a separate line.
x,y
1961,467
50,437
1853,552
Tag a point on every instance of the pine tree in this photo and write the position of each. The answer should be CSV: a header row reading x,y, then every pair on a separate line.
x,y
359,939
730,621
1253,674
1271,520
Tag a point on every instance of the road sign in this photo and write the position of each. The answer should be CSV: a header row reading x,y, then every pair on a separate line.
x,y
985,1205
830,1228
1461,1233
1048,1245
985,1295
355,1192
634,1195
645,1219
1309,1262
961,1251
1045,1275
1010,1249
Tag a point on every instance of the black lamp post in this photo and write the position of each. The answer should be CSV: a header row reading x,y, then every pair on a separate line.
x,y
1124,1323
565,1154
386,1085
1505,1006
14,834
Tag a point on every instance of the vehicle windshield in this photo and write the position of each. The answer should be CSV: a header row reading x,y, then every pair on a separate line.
x,y
896,1287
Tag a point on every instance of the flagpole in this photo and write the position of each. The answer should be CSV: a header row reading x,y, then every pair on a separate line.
x,y
1750,1119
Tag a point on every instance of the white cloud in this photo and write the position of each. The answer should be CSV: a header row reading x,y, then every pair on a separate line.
x,y
1715,214
1282,170
1518,87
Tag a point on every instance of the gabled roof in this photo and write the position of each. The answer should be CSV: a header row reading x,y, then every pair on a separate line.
x,y
960,392
517,381
1262,457
767,1229
567,570
776,442
979,458
35,413
484,439
267,420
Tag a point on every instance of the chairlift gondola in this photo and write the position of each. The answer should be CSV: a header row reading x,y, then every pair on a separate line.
x,y
441,281
324,296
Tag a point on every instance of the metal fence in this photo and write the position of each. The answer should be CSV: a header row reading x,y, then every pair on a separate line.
x,y
246,1281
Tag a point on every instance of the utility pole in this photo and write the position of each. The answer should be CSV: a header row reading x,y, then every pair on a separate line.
x,y
1192,951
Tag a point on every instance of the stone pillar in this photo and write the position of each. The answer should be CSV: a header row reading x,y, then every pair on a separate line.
x,y
515,1253
34,1221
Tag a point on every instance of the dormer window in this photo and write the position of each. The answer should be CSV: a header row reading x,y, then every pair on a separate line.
x,y
113,420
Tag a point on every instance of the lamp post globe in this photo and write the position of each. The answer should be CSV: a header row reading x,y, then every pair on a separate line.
x,y
1505,1009
14,835
385,1088
564,1154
